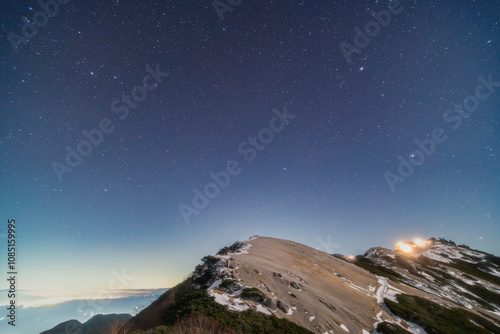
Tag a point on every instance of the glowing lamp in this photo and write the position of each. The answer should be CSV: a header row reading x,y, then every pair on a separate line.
x,y
419,242
404,247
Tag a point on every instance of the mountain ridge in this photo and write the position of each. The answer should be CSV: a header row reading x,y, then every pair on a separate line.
x,y
100,323
269,285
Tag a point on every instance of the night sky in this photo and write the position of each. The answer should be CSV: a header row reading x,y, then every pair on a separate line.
x,y
303,126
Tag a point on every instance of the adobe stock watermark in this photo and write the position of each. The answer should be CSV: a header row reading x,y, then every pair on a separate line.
x,y
452,116
372,29
95,137
93,306
29,29
327,245
119,281
248,149
221,7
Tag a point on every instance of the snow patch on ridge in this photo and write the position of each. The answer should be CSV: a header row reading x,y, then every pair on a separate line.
x,y
223,273
382,290
243,250
233,304
262,309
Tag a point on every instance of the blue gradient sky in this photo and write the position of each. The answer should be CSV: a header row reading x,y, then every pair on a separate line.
x,y
320,179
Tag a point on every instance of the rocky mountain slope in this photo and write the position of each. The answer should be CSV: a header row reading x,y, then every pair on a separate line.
x,y
267,285
424,287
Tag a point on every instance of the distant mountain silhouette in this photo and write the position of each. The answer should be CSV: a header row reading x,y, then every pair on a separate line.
x,y
98,324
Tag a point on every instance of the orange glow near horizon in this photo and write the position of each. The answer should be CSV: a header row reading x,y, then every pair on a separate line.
x,y
403,247
420,242
407,247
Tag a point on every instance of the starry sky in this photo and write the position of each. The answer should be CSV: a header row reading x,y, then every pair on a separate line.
x,y
277,118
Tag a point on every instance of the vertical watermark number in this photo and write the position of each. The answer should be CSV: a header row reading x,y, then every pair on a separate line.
x,y
11,271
